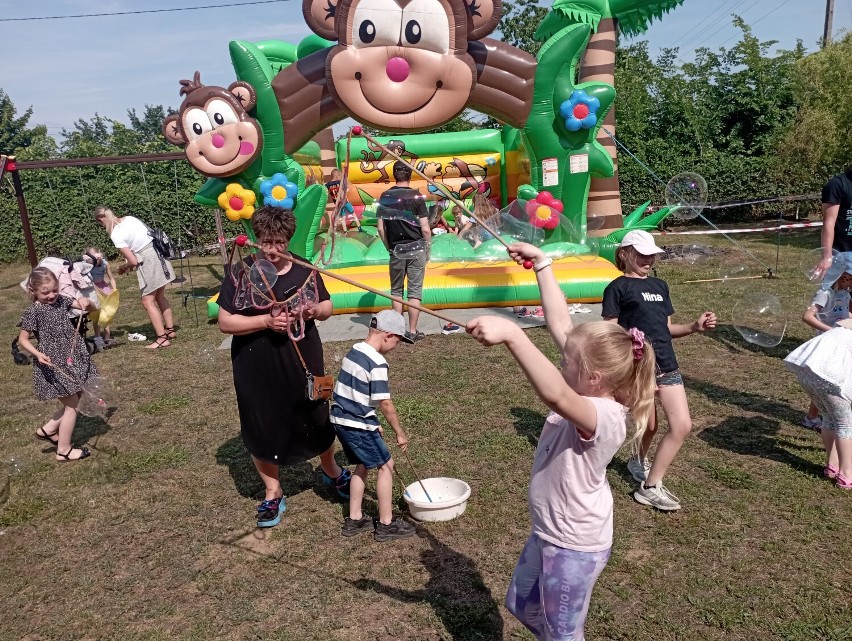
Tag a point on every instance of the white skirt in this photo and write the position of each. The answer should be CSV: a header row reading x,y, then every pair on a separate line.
x,y
153,272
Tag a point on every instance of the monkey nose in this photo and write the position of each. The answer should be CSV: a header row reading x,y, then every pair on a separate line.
x,y
218,141
397,69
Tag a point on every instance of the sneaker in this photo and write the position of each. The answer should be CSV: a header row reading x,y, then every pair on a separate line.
x,y
452,328
814,424
269,512
523,312
341,483
657,496
415,336
399,528
354,528
638,468
577,308
538,312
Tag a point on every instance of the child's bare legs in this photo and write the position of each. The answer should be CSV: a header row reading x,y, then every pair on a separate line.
x,y
648,436
828,442
813,411
52,426
269,475
676,409
384,491
356,492
66,428
843,450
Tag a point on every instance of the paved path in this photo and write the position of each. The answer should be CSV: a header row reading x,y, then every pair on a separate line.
x,y
353,327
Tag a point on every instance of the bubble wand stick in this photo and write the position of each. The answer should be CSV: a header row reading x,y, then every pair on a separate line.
x,y
243,241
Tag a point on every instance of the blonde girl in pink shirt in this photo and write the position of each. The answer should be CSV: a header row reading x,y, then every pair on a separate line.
x,y
606,372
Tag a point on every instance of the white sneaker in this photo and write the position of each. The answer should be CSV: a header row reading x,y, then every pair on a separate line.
x,y
657,496
638,468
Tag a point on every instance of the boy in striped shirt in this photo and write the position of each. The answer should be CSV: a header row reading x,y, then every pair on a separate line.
x,y
362,386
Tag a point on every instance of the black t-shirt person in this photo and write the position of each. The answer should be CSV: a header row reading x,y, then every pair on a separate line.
x,y
838,191
400,209
644,303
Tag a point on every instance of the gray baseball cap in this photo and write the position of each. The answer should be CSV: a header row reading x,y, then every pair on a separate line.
x,y
392,322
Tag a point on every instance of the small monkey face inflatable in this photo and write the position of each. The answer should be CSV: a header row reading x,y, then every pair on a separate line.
x,y
219,138
401,65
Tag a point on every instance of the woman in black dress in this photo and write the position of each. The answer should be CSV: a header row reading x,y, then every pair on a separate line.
x,y
279,425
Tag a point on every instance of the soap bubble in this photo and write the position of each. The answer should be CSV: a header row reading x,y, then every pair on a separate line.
x,y
733,273
14,465
693,254
100,388
263,275
759,318
593,247
414,249
206,355
90,405
401,206
687,192
811,266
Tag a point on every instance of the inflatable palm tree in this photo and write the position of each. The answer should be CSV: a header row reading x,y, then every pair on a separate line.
x,y
607,18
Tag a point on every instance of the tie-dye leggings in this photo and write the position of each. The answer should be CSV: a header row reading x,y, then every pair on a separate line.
x,y
551,589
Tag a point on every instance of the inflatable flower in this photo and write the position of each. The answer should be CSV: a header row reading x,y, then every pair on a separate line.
x,y
278,191
580,111
237,202
541,215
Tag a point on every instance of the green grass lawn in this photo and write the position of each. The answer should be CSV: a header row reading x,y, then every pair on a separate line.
x,y
153,537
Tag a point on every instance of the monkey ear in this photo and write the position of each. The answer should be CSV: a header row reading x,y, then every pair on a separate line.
x,y
321,16
482,17
172,132
244,93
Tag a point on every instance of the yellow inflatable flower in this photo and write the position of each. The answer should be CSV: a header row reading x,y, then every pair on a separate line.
x,y
237,202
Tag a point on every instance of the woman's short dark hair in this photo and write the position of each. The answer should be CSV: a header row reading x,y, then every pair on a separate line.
x,y
270,222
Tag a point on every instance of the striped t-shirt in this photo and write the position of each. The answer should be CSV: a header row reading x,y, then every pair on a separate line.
x,y
361,385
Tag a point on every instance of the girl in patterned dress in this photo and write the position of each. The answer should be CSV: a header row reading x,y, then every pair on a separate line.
x,y
61,364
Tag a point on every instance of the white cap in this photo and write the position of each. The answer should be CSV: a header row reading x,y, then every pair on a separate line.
x,y
392,322
642,242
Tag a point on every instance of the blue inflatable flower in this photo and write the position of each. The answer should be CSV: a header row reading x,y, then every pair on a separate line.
x,y
580,111
278,191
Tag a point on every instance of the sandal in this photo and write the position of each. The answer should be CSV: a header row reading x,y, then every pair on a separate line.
x,y
830,472
161,342
170,332
84,453
341,483
44,436
842,482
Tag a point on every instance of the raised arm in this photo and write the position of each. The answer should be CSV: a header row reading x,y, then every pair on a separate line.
x,y
553,303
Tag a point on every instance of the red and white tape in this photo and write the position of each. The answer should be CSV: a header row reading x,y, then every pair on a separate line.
x,y
739,231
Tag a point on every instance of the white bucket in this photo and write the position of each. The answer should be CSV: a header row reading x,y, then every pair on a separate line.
x,y
449,499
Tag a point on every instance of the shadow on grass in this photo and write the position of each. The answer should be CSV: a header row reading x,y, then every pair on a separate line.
x,y
755,436
294,478
455,591
745,400
528,423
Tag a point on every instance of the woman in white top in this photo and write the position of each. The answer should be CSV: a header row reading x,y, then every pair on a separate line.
x,y
130,236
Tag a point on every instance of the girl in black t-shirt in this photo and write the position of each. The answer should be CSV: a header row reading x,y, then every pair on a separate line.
x,y
639,300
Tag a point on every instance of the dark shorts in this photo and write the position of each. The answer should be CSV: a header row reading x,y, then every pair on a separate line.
x,y
364,447
669,378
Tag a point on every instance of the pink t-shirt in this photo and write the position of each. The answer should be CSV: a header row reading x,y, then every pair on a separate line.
x,y
570,500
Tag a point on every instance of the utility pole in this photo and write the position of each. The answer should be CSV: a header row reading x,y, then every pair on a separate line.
x,y
829,17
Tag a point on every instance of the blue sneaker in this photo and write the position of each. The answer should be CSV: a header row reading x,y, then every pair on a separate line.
x,y
341,483
269,512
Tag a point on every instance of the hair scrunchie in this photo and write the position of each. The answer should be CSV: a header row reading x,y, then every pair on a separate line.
x,y
638,338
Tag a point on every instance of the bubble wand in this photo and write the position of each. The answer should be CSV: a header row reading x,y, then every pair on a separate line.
x,y
243,241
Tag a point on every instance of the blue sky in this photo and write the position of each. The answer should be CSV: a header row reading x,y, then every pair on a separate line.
x,y
72,68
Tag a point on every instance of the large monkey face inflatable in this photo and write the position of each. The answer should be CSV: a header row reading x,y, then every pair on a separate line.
x,y
219,138
401,65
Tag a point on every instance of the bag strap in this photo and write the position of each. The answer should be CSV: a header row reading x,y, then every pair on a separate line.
x,y
299,354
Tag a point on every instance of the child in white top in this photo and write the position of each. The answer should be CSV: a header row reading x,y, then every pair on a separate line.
x,y
606,370
828,306
822,367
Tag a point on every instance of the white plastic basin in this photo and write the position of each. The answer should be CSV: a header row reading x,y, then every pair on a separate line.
x,y
449,499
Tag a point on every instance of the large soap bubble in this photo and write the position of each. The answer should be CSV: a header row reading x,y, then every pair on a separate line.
x,y
411,250
730,273
401,205
263,275
759,318
90,405
811,266
687,193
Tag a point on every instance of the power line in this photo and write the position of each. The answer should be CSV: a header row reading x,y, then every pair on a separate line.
x,y
711,17
129,13
725,25
766,15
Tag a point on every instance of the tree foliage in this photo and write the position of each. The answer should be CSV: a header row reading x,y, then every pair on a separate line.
x,y
14,133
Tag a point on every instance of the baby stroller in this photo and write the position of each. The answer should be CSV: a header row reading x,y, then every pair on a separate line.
x,y
74,282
